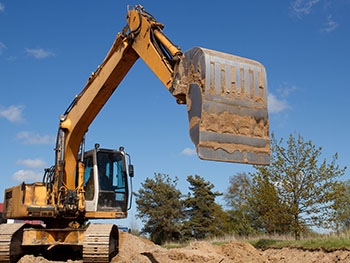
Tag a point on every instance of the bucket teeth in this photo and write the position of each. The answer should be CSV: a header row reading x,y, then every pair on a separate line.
x,y
226,99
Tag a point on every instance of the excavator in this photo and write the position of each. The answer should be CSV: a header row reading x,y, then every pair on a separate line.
x,y
226,99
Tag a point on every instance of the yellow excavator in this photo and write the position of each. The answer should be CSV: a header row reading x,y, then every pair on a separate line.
x,y
226,98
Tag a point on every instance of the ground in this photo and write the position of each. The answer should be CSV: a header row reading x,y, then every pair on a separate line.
x,y
139,250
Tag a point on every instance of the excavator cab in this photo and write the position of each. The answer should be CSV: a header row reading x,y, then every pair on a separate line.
x,y
106,180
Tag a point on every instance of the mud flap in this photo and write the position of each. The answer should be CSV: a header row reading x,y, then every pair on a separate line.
x,y
226,99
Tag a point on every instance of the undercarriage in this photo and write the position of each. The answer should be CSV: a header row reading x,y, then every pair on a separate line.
x,y
96,243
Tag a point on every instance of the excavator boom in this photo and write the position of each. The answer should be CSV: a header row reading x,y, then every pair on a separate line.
x,y
99,88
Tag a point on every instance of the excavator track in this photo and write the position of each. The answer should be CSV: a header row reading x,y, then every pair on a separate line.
x,y
100,243
11,242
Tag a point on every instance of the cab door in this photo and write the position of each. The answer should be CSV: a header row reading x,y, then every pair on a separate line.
x,y
113,183
91,181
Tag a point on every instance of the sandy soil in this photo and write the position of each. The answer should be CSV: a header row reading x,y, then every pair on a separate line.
x,y
139,250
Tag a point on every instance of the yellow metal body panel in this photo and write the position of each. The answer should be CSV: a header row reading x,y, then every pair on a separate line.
x,y
35,194
80,189
106,215
14,206
35,237
27,200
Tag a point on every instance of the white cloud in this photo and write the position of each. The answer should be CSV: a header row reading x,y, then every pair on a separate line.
x,y
13,113
330,25
32,163
285,91
27,175
189,151
39,53
2,7
2,47
35,138
277,105
303,7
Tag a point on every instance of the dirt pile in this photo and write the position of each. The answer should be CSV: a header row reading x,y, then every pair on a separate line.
x,y
290,255
139,250
134,249
32,259
40,259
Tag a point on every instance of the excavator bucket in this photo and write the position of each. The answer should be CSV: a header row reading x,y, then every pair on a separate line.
x,y
226,99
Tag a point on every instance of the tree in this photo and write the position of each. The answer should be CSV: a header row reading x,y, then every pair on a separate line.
x,y
306,187
238,191
342,209
160,207
270,211
255,206
204,217
243,219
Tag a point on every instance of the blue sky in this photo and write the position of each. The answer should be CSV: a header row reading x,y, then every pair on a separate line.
x,y
48,49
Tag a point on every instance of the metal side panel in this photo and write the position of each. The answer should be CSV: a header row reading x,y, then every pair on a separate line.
x,y
226,99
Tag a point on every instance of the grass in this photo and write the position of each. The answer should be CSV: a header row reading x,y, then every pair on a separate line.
x,y
214,240
328,242
174,245
264,243
219,243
